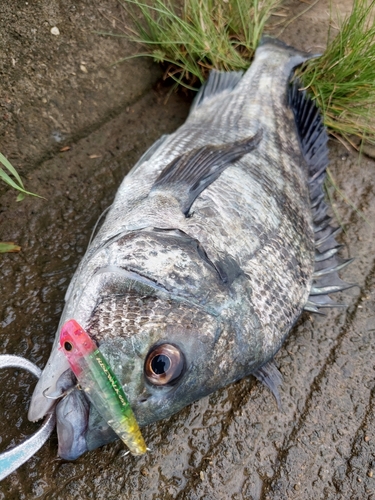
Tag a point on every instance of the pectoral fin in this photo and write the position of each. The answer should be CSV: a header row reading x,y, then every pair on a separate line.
x,y
189,174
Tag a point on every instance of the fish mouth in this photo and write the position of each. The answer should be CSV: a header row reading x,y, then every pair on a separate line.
x,y
41,404
102,388
72,416
79,426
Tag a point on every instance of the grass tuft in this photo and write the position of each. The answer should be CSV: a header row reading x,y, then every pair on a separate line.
x,y
200,36
342,80
207,34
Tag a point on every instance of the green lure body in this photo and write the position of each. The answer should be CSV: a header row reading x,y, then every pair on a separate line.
x,y
98,381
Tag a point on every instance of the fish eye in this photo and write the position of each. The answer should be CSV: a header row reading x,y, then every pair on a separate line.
x,y
164,365
68,346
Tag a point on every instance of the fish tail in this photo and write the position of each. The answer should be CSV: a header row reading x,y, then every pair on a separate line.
x,y
296,57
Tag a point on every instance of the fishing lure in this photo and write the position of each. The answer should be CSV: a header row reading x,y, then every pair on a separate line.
x,y
100,384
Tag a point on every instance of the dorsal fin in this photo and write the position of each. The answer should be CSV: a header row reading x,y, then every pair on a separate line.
x,y
217,82
189,174
313,139
311,131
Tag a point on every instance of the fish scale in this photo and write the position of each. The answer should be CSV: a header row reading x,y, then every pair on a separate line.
x,y
206,258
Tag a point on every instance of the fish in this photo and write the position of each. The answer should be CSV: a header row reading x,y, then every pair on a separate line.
x,y
11,459
217,240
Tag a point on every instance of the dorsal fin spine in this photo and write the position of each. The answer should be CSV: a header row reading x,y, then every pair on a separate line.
x,y
313,140
217,82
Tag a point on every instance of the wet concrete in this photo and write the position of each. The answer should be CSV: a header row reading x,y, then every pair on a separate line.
x,y
234,444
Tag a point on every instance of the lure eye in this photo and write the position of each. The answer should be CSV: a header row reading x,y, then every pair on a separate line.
x,y
164,365
68,346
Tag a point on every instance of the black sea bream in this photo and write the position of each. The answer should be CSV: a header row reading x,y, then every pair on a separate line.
x,y
216,242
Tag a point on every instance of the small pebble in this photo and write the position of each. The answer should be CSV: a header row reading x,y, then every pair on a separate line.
x,y
370,473
201,474
83,68
55,31
359,479
296,487
367,439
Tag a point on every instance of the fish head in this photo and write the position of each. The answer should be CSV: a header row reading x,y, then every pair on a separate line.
x,y
164,336
159,349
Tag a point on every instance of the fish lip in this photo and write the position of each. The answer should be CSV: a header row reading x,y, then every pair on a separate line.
x,y
55,367
71,433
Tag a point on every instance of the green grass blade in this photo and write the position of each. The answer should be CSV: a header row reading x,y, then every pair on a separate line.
x,y
11,169
8,246
5,177
12,183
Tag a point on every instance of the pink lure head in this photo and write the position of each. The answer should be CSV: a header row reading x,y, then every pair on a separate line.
x,y
75,343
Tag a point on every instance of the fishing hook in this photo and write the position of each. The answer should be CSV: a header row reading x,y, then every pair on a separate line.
x,y
62,395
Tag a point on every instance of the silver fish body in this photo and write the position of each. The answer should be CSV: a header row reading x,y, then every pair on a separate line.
x,y
208,249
